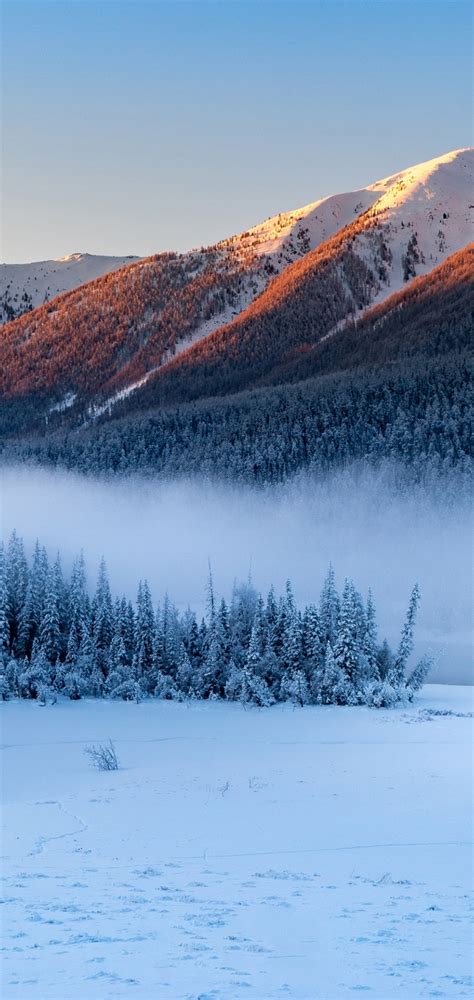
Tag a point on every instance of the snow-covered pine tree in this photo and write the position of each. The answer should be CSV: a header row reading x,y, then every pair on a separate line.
x,y
369,645
346,650
313,651
32,610
396,673
102,614
127,625
329,609
384,660
79,609
4,629
87,666
293,682
257,642
17,583
241,616
122,681
418,676
213,674
185,675
144,639
191,640
62,598
335,688
36,675
210,596
50,627
170,636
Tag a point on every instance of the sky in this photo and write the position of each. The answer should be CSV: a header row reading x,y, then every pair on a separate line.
x,y
131,127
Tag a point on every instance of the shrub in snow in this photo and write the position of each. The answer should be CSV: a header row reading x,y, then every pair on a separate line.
x,y
127,690
245,687
103,757
35,675
70,681
45,694
165,687
381,694
294,687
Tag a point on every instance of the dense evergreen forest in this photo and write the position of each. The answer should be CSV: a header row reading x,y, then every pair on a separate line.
x,y
57,640
416,418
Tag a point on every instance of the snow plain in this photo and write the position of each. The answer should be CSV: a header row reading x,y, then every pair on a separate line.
x,y
297,853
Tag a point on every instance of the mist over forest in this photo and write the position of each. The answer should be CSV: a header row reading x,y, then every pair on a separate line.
x,y
167,532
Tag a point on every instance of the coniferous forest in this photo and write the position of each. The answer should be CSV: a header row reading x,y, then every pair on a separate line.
x,y
417,418
56,639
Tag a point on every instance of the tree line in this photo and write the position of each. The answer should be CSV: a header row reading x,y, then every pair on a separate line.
x,y
414,419
56,639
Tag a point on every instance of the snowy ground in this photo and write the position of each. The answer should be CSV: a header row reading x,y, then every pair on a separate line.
x,y
311,853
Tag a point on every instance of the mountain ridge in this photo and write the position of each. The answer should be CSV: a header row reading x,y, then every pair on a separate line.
x,y
132,329
24,287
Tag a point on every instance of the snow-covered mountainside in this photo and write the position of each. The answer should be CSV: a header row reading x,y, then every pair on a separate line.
x,y
246,304
426,215
26,286
420,217
432,200
399,227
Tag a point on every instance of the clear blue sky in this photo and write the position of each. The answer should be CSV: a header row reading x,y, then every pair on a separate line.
x,y
134,127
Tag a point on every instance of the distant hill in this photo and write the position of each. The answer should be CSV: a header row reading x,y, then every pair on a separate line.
x,y
24,287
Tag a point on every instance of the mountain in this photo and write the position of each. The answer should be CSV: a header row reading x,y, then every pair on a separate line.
x,y
284,336
216,320
392,391
432,317
421,219
25,286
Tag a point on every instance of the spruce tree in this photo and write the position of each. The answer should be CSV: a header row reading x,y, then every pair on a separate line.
x,y
4,629
418,676
79,609
336,686
396,675
102,631
144,638
369,645
32,610
17,583
185,676
50,627
329,609
346,651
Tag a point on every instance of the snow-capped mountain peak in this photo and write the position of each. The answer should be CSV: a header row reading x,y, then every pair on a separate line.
x,y
428,194
26,286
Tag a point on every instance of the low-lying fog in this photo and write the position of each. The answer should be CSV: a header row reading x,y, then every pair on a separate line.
x,y
166,532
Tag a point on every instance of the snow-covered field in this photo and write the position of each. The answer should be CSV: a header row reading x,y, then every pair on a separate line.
x,y
307,853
